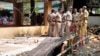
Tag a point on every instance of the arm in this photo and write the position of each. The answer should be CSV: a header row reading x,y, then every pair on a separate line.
x,y
49,18
85,15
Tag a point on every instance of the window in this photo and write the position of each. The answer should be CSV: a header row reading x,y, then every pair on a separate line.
x,y
6,16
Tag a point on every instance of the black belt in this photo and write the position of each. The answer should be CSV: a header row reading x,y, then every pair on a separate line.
x,y
76,21
58,21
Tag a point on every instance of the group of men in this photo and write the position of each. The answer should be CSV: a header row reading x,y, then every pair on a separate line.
x,y
61,23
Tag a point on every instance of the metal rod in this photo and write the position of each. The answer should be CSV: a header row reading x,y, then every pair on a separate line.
x,y
70,47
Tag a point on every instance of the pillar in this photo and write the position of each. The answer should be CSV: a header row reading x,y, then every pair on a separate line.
x,y
33,16
18,13
47,10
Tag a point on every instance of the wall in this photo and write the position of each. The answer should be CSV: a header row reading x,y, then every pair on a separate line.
x,y
11,32
94,20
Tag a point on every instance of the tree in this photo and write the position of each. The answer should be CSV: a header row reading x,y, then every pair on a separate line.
x,y
67,3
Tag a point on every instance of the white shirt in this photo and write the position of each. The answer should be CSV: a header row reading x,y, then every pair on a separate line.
x,y
51,16
68,15
59,16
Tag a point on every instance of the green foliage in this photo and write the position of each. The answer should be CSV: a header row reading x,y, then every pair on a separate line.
x,y
36,7
26,8
36,0
25,1
98,11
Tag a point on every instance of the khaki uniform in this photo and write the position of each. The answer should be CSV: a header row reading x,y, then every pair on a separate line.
x,y
83,26
76,22
68,20
80,16
63,25
58,24
84,22
51,19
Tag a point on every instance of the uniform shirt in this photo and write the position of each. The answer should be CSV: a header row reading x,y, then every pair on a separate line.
x,y
68,15
80,16
59,16
86,15
75,16
51,17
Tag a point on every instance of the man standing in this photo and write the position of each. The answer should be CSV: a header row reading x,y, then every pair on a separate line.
x,y
84,20
63,24
68,15
51,18
75,21
80,16
58,23
76,26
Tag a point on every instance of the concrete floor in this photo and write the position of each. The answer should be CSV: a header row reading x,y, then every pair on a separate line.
x,y
19,45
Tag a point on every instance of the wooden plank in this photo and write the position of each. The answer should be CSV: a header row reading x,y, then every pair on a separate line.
x,y
46,47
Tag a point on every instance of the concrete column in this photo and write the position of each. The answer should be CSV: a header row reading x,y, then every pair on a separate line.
x,y
49,6
47,10
18,13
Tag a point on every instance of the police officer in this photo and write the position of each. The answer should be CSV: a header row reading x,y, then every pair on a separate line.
x,y
58,23
84,19
68,15
51,18
75,20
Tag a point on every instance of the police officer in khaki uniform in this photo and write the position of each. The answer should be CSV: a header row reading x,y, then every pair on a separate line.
x,y
83,27
84,20
75,21
68,20
58,23
63,25
51,18
80,16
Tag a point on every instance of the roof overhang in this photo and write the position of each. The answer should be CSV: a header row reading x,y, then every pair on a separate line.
x,y
11,1
20,1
